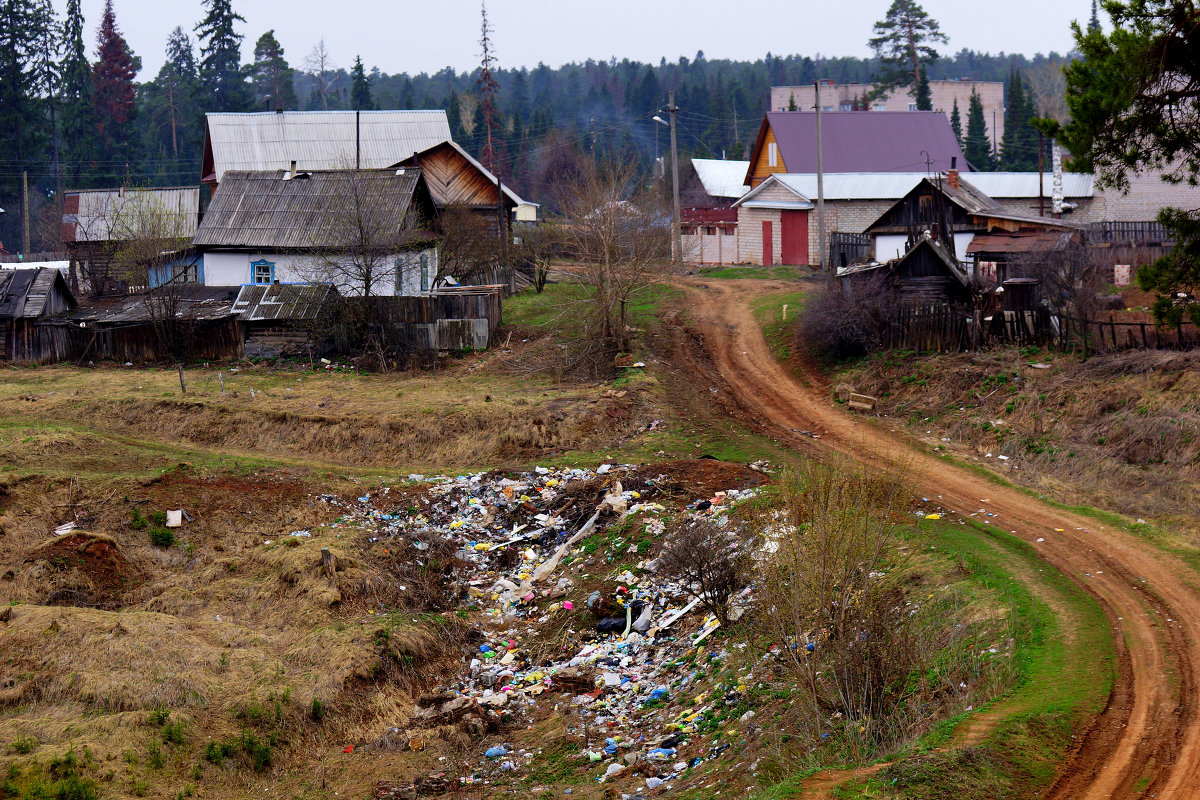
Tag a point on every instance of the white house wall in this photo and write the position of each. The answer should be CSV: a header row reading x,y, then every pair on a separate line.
x,y
890,245
233,269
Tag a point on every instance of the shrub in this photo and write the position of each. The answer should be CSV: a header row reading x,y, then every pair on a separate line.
x,y
217,752
137,521
173,733
317,712
161,537
23,745
711,562
258,751
158,518
845,323
159,716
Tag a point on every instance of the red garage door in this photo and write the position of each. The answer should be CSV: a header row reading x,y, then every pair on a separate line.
x,y
768,255
793,232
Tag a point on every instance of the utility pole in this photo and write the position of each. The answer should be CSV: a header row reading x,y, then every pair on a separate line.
x,y
676,240
25,213
1041,172
820,185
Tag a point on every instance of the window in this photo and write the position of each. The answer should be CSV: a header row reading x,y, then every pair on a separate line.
x,y
772,155
710,230
879,107
827,108
847,106
912,106
728,231
262,272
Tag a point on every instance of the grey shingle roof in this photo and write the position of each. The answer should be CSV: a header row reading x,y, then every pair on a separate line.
x,y
263,210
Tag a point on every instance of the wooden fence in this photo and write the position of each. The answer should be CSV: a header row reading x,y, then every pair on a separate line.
x,y
949,329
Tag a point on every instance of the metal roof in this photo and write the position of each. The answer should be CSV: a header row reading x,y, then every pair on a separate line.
x,y
24,292
1019,242
122,214
290,301
308,211
722,178
894,185
320,139
1025,184
865,141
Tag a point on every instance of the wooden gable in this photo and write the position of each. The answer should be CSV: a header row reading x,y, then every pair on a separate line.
x,y
454,180
760,156
920,210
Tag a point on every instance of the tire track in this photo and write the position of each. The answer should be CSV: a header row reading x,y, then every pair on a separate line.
x,y
1146,741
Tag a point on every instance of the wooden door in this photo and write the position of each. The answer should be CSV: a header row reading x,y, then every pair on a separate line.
x,y
768,246
793,235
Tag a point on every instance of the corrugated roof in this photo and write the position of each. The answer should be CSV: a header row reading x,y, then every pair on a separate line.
x,y
866,141
1025,184
310,211
722,178
1019,242
123,214
287,301
321,139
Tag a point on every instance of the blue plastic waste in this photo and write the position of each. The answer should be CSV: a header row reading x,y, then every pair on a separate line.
x,y
810,647
662,752
658,694
497,751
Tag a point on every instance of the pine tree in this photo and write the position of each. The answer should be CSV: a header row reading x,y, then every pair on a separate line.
x,y
923,97
113,98
169,107
75,99
273,81
360,87
1014,106
221,81
977,149
903,41
956,123
1094,22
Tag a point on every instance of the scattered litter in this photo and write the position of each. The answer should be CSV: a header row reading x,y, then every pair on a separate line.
x,y
175,518
65,528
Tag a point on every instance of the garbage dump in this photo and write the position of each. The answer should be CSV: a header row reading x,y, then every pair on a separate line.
x,y
572,548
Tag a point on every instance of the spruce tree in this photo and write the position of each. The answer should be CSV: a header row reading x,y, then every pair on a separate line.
x,y
454,116
222,84
360,87
113,97
21,120
271,77
977,148
1014,107
956,123
1094,22
923,97
75,98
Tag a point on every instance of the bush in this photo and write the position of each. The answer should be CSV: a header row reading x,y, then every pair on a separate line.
x,y
137,521
258,751
217,752
712,562
840,323
23,745
161,537
173,733
317,712
159,716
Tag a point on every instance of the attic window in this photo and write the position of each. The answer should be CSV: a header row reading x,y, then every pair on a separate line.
x,y
772,155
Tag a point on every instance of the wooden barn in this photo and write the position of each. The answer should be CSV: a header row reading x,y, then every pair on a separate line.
x,y
927,275
29,300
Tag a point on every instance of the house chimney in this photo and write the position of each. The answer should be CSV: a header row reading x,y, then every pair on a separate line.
x,y
952,174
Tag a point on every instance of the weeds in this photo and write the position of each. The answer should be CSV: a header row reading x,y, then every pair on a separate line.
x,y
317,710
161,537
23,745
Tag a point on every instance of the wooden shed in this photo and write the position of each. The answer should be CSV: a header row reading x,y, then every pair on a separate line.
x,y
29,300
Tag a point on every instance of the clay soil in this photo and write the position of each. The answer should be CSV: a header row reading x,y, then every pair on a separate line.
x,y
1146,741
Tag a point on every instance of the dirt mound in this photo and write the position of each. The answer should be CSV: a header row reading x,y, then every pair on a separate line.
x,y
80,569
697,478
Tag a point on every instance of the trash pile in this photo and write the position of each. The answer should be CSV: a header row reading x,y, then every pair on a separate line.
x,y
630,671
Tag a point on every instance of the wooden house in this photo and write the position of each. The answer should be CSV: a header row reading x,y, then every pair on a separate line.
x,y
285,226
954,212
29,301
457,179
926,275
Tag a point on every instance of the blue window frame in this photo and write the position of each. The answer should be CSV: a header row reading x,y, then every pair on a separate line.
x,y
262,272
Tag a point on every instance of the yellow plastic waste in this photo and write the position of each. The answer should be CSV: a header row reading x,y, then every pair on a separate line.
x,y
933,516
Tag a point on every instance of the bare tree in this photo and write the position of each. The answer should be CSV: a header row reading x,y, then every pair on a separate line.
x,y
469,246
849,316
1069,278
372,237
618,235
319,64
712,562
149,253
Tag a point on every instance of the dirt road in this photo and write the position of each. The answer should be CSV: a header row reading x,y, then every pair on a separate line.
x,y
1146,742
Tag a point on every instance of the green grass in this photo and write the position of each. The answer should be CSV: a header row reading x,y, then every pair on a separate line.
x,y
780,331
1055,685
761,273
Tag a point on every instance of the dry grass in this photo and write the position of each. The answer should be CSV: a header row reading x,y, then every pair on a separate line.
x,y
1120,432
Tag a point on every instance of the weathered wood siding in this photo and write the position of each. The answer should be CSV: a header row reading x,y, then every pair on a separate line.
x,y
454,181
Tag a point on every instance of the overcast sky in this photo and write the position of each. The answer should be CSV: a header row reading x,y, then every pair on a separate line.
x,y
425,36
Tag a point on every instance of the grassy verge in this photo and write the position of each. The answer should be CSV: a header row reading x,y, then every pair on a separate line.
x,y
776,314
1059,682
760,273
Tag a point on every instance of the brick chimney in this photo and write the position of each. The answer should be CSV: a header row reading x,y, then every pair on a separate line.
x,y
952,173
